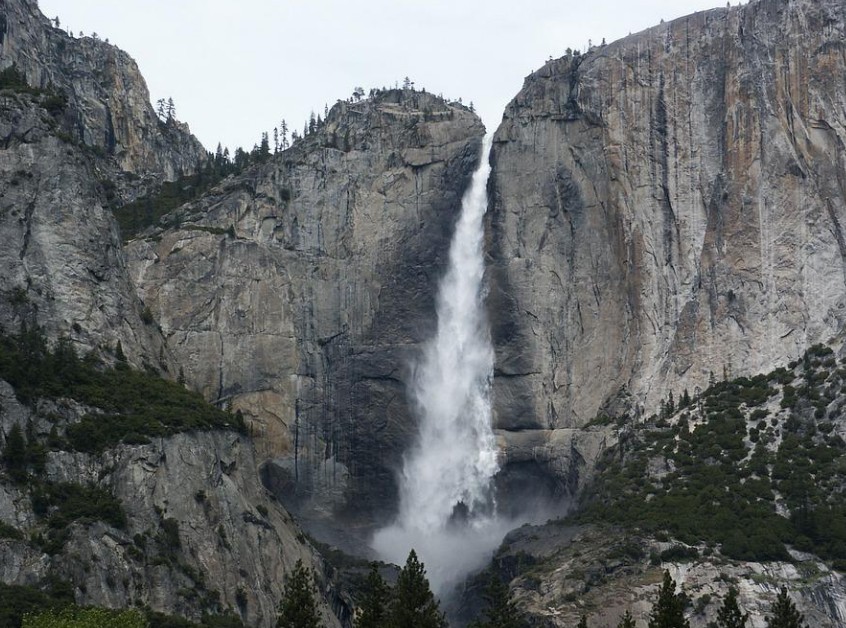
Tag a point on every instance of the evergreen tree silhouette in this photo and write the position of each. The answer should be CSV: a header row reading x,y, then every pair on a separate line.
x,y
729,615
668,611
784,613
298,608
414,605
374,606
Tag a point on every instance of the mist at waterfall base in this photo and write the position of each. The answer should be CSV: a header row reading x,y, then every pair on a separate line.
x,y
447,508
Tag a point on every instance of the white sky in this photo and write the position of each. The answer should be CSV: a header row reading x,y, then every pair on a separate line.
x,y
235,68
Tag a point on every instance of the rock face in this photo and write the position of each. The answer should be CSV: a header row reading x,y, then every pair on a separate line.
x,y
199,521
561,573
109,105
300,290
62,263
84,135
201,531
667,206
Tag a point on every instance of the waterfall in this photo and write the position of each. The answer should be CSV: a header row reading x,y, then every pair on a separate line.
x,y
446,502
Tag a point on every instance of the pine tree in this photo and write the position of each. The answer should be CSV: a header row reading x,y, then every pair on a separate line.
x,y
14,453
501,611
264,147
583,622
784,613
627,621
284,133
414,605
729,615
374,606
668,610
298,608
171,110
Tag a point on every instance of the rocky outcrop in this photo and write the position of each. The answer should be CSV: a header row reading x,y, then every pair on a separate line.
x,y
62,263
559,573
201,533
542,471
299,291
108,103
667,206
81,135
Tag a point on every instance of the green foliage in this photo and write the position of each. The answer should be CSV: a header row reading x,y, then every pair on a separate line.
x,y
169,536
730,615
13,79
53,100
583,622
627,621
724,469
136,216
16,601
225,620
501,612
14,454
784,613
46,603
85,618
64,503
374,606
414,605
135,405
679,554
160,620
668,610
10,532
298,608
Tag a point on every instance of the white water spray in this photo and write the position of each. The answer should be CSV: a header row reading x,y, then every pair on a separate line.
x,y
446,503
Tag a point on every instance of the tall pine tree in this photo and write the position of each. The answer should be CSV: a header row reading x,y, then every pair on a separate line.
x,y
374,606
298,608
784,613
668,610
729,615
414,605
627,621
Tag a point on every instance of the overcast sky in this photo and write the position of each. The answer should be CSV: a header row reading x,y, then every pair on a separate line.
x,y
235,69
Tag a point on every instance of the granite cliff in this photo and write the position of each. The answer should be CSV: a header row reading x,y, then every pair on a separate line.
x,y
665,211
80,137
669,206
201,533
298,292
108,102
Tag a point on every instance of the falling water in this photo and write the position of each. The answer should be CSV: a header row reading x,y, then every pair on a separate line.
x,y
446,503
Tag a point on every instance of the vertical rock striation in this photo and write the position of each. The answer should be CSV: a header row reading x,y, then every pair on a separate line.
x,y
668,206
300,290
109,105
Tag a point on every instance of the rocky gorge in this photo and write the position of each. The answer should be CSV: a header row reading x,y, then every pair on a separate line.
x,y
665,215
